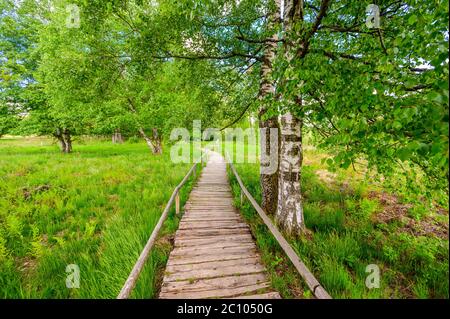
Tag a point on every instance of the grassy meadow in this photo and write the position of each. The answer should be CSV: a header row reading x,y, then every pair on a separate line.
x,y
94,208
97,207
355,220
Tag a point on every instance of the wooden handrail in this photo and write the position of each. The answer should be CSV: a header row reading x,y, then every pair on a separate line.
x,y
311,281
132,278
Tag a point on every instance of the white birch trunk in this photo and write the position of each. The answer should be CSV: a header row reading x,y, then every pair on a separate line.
x,y
147,140
290,209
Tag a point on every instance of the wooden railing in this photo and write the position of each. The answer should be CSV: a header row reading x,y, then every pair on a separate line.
x,y
313,284
132,278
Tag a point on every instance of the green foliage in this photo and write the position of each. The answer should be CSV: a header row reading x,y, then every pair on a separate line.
x,y
379,96
110,74
336,276
323,219
17,38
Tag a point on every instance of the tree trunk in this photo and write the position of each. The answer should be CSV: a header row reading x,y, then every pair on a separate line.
x,y
147,140
68,141
289,213
64,139
153,144
269,146
290,208
117,137
156,139
62,144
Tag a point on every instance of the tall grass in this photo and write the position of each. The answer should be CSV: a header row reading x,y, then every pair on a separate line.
x,y
94,208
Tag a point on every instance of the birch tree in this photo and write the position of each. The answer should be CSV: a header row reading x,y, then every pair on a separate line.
x,y
269,142
368,82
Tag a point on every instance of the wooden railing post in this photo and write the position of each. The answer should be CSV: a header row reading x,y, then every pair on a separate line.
x,y
177,203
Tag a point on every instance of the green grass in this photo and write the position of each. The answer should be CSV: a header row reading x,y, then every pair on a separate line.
x,y
345,237
95,208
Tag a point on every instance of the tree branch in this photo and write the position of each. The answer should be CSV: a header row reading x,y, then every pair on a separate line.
x,y
210,57
322,13
240,115
242,37
418,87
380,35
336,55
341,29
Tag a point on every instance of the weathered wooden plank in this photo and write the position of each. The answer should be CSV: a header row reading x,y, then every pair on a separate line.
x,y
216,193
211,232
211,209
213,264
224,240
214,283
214,190
210,213
268,295
200,273
184,293
206,198
207,258
207,205
207,222
212,218
214,249
211,225
202,195
180,252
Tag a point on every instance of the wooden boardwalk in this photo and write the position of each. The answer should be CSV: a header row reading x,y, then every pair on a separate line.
x,y
214,255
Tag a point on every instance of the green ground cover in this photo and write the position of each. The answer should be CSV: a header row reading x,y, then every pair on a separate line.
x,y
94,208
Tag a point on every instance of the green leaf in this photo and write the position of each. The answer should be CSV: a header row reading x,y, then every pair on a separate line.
x,y
397,125
404,153
412,19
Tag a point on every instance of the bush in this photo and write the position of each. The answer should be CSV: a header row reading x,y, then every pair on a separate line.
x,y
133,140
